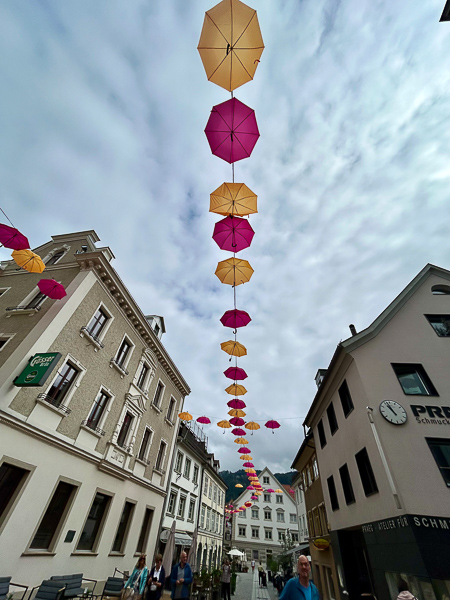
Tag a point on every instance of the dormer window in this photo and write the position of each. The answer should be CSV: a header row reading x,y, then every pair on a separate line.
x,y
157,328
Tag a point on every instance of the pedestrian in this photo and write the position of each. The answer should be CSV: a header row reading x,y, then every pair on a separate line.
x,y
403,592
156,580
253,566
181,578
301,588
260,572
226,580
134,587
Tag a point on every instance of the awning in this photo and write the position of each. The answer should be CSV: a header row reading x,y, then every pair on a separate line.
x,y
182,539
298,549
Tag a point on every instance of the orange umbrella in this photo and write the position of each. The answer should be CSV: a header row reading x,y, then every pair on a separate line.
x,y
233,199
28,260
241,441
234,348
246,457
232,271
236,390
185,416
224,425
252,426
236,412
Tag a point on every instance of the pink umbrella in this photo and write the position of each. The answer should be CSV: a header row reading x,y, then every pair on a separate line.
x,y
233,234
236,403
248,464
236,421
12,238
272,425
203,420
232,131
250,487
235,318
238,431
52,289
235,373
244,450
270,491
254,497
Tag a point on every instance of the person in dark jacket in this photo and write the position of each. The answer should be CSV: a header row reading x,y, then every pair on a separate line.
x,y
156,579
181,578
301,587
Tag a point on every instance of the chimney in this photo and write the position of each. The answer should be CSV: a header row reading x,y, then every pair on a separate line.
x,y
353,329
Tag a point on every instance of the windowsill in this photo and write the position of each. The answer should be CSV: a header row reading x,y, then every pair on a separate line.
x,y
349,412
17,310
155,407
169,422
84,553
112,553
159,471
170,514
143,461
62,412
122,370
38,553
93,431
97,343
190,520
180,518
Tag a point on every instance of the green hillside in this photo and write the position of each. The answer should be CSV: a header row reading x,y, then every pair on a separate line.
x,y
232,478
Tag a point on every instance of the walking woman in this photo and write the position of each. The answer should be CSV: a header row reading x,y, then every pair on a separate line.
x,y
134,587
226,580
156,580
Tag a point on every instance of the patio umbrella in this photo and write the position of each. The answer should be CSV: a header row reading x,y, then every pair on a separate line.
x,y
192,556
272,425
244,451
224,425
233,234
185,416
28,260
11,238
236,390
169,549
235,318
230,44
232,131
233,199
234,348
236,403
234,271
252,426
235,373
52,289
237,422
238,431
240,440
204,420
235,412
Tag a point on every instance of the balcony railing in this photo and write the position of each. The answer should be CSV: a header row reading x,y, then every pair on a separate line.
x,y
20,308
94,338
54,402
90,425
119,366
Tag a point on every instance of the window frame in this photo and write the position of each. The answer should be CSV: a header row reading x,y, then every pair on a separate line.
x,y
321,433
126,531
434,317
97,340
268,534
438,442
160,467
173,494
266,480
157,406
5,337
187,463
73,387
146,451
190,516
178,468
256,511
101,527
181,509
195,474
280,516
255,529
347,486
171,411
11,505
122,366
267,512
332,493
346,398
103,415
422,375
369,472
332,420
279,499
144,532
244,527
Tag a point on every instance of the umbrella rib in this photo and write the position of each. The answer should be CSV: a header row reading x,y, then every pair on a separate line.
x,y
245,29
243,66
216,69
244,119
237,139
218,29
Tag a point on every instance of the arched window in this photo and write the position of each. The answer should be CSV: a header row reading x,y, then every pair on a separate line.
x,y
55,258
440,290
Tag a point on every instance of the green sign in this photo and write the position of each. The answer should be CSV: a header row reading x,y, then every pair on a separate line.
x,y
37,370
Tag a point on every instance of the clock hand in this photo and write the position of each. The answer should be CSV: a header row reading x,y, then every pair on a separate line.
x,y
390,407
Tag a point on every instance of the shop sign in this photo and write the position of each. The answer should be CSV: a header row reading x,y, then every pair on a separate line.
x,y
321,543
38,370
431,415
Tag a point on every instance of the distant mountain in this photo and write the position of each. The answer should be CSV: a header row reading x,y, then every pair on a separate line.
x,y
232,478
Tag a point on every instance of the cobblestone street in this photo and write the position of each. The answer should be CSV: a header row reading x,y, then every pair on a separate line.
x,y
247,588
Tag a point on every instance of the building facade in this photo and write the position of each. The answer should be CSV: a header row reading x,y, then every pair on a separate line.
x,y
84,453
302,517
380,421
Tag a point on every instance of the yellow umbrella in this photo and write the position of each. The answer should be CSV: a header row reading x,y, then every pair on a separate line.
x,y
234,271
236,412
230,44
239,485
233,199
224,425
258,493
236,390
185,416
234,348
246,457
28,260
252,426
278,491
241,441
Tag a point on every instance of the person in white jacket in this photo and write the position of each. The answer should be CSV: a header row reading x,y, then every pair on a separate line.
x,y
403,592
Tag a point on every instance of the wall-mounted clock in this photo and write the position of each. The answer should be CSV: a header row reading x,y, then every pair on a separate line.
x,y
393,412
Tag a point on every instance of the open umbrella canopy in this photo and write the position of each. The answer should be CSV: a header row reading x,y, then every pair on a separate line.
x,y
247,504
235,412
234,271
185,416
239,485
244,450
246,457
272,425
248,464
234,348
240,440
204,420
237,422
233,234
169,549
254,497
232,131
233,199
250,487
270,491
252,426
224,425
52,289
12,238
230,44
192,556
235,318
28,260
236,403
235,373
238,431
258,493
278,491
236,389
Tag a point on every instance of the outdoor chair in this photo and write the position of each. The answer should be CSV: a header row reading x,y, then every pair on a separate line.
x,y
113,587
73,584
5,582
48,590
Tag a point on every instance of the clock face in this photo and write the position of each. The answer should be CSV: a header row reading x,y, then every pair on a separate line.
x,y
393,412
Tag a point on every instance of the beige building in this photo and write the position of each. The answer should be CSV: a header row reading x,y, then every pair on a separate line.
x,y
86,445
381,426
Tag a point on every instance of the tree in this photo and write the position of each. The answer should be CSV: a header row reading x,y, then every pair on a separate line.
x,y
287,543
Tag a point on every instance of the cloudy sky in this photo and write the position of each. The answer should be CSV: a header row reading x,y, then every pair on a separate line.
x,y
102,110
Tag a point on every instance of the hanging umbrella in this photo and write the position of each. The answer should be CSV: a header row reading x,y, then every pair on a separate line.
x,y
232,131
278,491
272,425
247,504
28,260
235,373
192,556
185,416
235,318
237,422
244,451
169,549
233,234
236,390
240,440
292,491
236,403
224,425
246,457
239,485
12,238
234,271
270,491
235,412
250,487
234,348
248,464
230,44
233,199
254,497
204,420
258,493
238,431
252,426
52,289
249,469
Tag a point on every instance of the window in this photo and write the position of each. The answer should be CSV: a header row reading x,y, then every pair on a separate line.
x,y
312,533
142,376
210,490
51,523
191,510
145,444
205,490
36,301
195,475
332,492
94,523
294,536
332,419
317,524
4,339
202,517
123,528
315,468
179,462
181,507
97,323
440,449
346,399
440,290
215,494
414,380
292,518
208,518
98,409
268,515
124,430
267,498
280,516
281,535
365,471
255,532
187,468
161,455
172,502
171,410
255,513
267,534
145,530
12,479
255,554
279,499
440,324
62,384
266,480
243,514
122,354
347,484
323,518
242,529
55,258
158,394
330,583
3,291
321,431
